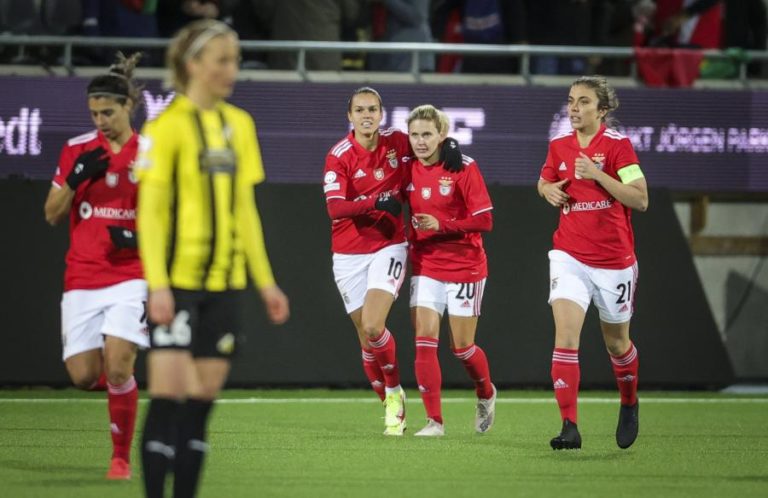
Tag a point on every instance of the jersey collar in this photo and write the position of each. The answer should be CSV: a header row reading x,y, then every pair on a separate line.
x,y
594,140
359,148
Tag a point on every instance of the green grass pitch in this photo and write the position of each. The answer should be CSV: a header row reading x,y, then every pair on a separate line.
x,y
316,443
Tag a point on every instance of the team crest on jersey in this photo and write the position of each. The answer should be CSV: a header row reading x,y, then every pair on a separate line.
x,y
112,179
426,192
446,184
132,176
392,158
566,208
599,159
378,173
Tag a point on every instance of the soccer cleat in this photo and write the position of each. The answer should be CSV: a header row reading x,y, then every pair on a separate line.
x,y
568,439
432,429
394,413
629,422
119,470
486,409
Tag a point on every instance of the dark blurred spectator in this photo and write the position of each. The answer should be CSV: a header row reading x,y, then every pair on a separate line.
x,y
315,20
400,21
687,23
568,23
484,21
172,15
746,27
130,18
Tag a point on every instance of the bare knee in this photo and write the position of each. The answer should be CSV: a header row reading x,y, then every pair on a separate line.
x,y
119,367
372,330
566,338
83,377
617,346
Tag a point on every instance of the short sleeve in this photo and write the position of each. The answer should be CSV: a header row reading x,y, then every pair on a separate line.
x,y
66,161
625,154
334,179
474,191
548,170
157,152
253,167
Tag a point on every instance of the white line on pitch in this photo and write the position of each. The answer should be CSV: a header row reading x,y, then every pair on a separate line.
x,y
506,401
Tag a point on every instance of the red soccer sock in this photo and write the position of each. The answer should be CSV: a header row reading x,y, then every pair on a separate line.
x,y
123,400
625,368
565,380
476,364
100,384
429,377
373,372
385,352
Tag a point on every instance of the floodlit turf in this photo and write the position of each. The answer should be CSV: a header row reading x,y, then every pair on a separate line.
x,y
329,444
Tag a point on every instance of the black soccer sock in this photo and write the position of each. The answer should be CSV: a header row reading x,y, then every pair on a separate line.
x,y
158,444
191,447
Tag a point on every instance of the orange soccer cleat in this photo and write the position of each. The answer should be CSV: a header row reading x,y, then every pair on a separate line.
x,y
119,470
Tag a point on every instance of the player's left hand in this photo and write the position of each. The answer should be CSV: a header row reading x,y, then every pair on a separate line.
x,y
450,155
426,222
585,168
123,238
276,303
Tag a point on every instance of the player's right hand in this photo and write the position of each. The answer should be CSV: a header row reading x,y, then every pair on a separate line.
x,y
88,165
276,303
553,192
387,202
161,307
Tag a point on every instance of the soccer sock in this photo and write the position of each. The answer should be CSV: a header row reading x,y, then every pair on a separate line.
x,y
158,444
625,368
373,372
191,447
476,364
429,377
122,404
384,350
565,380
100,384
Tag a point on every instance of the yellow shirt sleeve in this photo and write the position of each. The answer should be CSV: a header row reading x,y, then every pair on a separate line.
x,y
252,235
155,170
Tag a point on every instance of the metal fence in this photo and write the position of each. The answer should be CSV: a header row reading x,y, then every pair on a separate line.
x,y
523,52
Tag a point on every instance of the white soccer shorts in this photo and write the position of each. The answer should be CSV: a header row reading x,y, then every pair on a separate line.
x,y
461,299
87,315
612,291
355,274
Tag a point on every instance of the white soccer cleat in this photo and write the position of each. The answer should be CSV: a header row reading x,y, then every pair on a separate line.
x,y
394,413
486,410
432,429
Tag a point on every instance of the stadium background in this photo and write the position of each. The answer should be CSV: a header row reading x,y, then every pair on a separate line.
x,y
701,245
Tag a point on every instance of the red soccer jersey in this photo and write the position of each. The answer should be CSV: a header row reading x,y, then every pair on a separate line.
x,y
93,261
594,227
353,173
453,256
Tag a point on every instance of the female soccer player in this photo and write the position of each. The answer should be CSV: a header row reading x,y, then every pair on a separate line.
x,y
102,309
450,211
198,230
364,173
592,175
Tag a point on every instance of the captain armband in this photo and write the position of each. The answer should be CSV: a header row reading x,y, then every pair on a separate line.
x,y
629,174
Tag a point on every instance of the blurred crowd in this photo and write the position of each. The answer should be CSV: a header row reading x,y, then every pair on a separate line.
x,y
727,24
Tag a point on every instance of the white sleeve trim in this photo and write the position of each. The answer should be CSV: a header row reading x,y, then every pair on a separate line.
x,y
56,184
335,197
482,211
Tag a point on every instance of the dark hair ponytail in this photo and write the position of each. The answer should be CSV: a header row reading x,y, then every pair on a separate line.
x,y
118,82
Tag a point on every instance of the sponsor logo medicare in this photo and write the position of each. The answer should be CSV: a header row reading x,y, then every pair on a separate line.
x,y
87,211
587,206
19,135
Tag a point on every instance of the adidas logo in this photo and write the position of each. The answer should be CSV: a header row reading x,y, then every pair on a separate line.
x,y
376,383
465,304
626,378
115,429
410,188
423,389
562,167
360,174
560,384
623,309
388,367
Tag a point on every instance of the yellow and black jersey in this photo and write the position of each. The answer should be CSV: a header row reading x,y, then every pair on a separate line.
x,y
197,219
